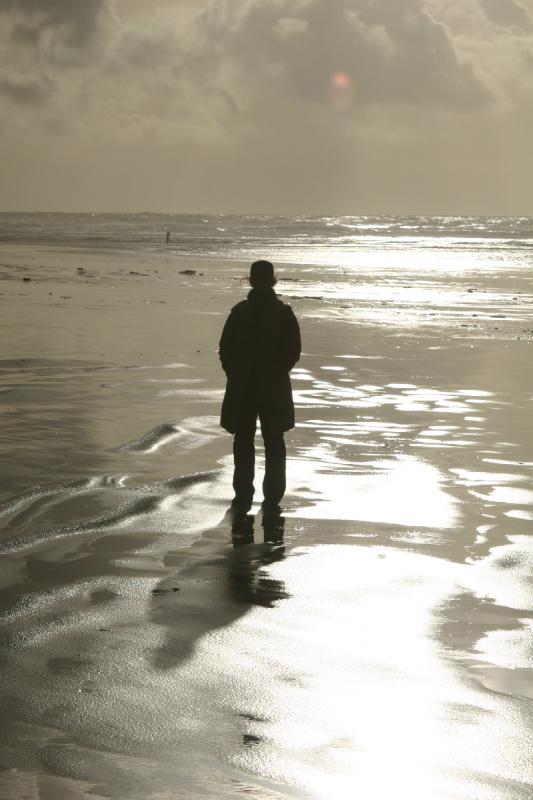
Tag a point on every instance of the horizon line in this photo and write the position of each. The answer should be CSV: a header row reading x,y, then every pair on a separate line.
x,y
271,214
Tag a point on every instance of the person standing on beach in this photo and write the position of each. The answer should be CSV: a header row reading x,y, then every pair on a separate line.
x,y
259,346
168,237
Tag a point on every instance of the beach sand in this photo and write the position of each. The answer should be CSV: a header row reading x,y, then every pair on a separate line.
x,y
374,642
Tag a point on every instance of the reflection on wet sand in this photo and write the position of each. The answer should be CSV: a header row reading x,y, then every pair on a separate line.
x,y
249,581
374,641
404,490
215,591
382,619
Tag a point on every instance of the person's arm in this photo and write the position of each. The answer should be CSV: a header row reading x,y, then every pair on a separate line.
x,y
293,343
231,344
225,347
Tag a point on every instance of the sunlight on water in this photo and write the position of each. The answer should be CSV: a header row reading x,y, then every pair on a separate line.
x,y
393,292
508,494
403,491
420,256
377,712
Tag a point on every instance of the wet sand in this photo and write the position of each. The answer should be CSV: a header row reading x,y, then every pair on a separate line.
x,y
375,641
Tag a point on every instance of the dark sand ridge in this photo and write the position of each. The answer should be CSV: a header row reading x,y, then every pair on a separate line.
x,y
391,626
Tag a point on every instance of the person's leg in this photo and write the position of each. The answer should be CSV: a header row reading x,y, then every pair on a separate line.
x,y
244,465
274,481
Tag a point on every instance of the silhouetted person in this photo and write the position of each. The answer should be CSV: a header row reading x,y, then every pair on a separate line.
x,y
168,237
259,346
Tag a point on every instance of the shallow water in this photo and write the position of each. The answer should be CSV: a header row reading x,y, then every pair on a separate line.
x,y
375,640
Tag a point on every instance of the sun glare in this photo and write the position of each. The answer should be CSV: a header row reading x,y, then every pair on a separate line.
x,y
341,90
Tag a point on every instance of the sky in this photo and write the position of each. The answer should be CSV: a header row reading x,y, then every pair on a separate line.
x,y
267,106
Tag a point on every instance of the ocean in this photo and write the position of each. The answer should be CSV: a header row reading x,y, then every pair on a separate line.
x,y
407,271
328,240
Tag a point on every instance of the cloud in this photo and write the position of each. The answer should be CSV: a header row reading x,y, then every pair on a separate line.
x,y
245,58
25,92
395,53
296,96
247,51
43,41
287,27
75,21
497,38
508,14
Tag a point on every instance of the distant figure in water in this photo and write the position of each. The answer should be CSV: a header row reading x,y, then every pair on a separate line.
x,y
260,344
168,237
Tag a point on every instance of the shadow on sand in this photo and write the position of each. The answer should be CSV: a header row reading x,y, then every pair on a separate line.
x,y
219,586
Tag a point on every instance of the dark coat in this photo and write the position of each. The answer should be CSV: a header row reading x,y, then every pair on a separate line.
x,y
260,344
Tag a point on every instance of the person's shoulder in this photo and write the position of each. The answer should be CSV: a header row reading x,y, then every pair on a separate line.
x,y
239,307
286,308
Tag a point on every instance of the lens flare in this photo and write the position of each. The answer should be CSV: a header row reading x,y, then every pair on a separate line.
x,y
340,80
341,90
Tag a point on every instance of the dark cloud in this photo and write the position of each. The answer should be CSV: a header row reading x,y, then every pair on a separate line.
x,y
41,40
26,92
395,53
74,20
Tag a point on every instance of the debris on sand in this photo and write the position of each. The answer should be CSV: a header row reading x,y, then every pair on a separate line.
x,y
166,590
